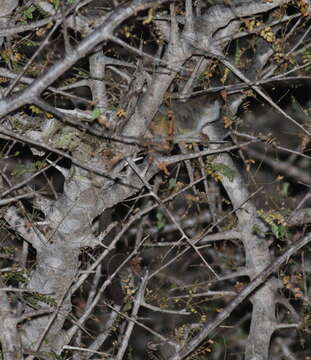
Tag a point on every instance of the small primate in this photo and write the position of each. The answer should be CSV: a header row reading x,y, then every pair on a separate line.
x,y
189,121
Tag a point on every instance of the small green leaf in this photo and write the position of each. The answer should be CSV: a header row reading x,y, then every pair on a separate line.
x,y
285,189
172,183
127,306
223,170
56,3
96,114
161,221
28,12
279,231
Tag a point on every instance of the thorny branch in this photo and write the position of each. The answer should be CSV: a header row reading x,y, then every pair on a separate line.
x,y
114,165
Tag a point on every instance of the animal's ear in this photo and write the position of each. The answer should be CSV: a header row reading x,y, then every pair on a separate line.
x,y
209,112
